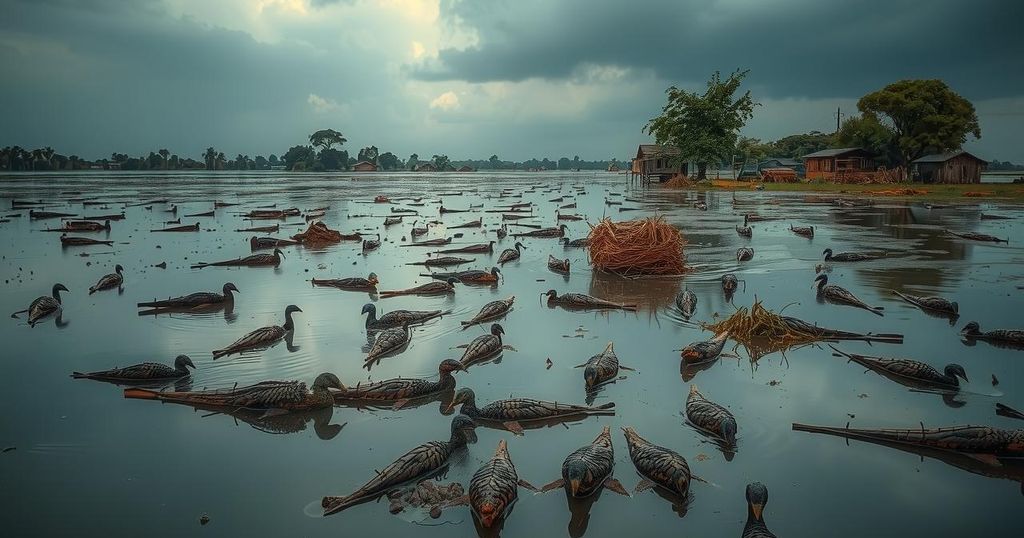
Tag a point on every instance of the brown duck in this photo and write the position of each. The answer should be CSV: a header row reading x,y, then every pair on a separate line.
x,y
589,468
143,372
582,301
513,414
659,466
352,283
557,265
428,289
602,368
400,391
255,260
272,397
262,337
490,311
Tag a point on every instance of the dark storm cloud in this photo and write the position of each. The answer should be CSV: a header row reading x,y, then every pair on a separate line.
x,y
107,74
801,48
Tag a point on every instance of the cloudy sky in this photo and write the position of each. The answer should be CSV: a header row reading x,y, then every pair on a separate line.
x,y
469,78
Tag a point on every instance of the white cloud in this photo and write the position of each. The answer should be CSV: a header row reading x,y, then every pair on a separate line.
x,y
321,105
446,101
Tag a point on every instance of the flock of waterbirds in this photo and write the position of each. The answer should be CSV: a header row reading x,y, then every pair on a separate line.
x,y
493,488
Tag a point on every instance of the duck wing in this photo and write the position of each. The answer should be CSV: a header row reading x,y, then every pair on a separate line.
x,y
260,337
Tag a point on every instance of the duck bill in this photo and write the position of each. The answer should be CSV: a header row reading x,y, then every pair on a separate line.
x,y
574,487
757,509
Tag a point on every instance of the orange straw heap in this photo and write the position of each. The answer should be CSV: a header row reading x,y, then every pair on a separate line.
x,y
648,246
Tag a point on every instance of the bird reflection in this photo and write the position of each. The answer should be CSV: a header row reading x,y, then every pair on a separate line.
x,y
227,307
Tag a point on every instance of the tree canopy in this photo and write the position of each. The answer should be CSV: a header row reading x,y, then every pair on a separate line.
x,y
926,116
327,138
868,132
704,126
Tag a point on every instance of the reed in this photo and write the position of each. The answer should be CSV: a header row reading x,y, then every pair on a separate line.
x,y
648,246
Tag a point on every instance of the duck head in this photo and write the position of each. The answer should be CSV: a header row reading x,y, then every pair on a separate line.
x,y
452,281
463,395
955,370
183,361
971,328
369,308
277,252
57,288
291,308
576,473
757,498
495,272
228,288
450,365
327,380
820,281
463,428
590,377
118,269
729,432
551,294
497,330
519,246
827,253
372,278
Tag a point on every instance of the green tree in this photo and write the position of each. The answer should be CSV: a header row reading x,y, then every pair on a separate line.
x,y
441,162
414,159
209,156
752,149
494,162
261,162
926,116
868,132
798,145
389,161
368,154
299,158
332,159
272,160
704,126
327,138
163,155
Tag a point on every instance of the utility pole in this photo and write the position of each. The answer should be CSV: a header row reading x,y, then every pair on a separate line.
x,y
839,115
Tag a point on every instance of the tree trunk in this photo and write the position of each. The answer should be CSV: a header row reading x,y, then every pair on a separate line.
x,y
702,171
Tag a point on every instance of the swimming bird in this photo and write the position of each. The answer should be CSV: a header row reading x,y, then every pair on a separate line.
x,y
143,372
745,230
513,413
557,265
560,216
419,231
431,242
490,311
575,243
935,304
430,288
184,228
494,488
582,301
473,276
85,226
43,306
388,342
470,224
757,499
195,300
261,243
477,248
70,241
371,244
706,351
601,368
112,280
803,231
590,468
744,254
351,283
510,254
840,295
909,370
395,318
389,221
255,260
270,397
710,418
686,302
483,347
400,391
558,231
502,232
421,461
659,466
848,256
972,331
729,283
442,261
261,337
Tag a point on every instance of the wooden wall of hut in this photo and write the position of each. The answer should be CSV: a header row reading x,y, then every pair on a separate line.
x,y
959,169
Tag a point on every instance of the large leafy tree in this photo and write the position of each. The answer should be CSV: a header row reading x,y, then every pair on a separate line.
x,y
368,154
209,156
333,159
414,159
299,158
442,163
494,162
389,161
704,126
327,138
868,132
926,116
798,145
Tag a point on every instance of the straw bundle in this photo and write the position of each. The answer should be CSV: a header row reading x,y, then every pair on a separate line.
x,y
678,181
760,329
318,234
637,247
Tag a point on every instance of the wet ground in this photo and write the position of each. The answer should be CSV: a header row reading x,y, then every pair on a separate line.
x,y
85,461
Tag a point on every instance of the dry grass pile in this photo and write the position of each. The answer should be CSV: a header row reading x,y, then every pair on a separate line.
x,y
318,234
760,331
978,194
678,181
897,192
637,247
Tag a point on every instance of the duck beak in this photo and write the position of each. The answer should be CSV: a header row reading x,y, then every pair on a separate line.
x,y
757,509
574,486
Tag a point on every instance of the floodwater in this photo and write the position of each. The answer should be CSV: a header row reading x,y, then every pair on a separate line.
x,y
86,461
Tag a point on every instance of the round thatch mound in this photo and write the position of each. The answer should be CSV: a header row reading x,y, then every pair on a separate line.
x,y
637,247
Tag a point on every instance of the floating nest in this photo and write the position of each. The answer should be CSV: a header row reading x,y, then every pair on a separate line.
x,y
761,331
318,234
648,246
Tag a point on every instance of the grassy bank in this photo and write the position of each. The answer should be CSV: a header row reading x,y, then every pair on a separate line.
x,y
972,192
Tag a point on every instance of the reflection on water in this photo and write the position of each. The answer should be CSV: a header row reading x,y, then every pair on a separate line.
x,y
138,466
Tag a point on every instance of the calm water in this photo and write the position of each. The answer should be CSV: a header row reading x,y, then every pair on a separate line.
x,y
89,462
